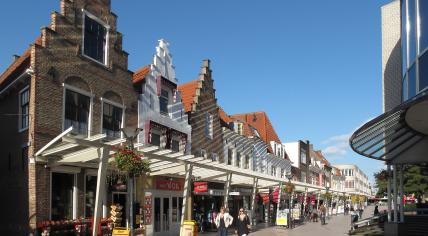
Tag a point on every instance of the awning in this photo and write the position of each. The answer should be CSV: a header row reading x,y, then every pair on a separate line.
x,y
391,134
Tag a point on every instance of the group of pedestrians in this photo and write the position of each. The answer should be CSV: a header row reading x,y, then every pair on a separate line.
x,y
224,220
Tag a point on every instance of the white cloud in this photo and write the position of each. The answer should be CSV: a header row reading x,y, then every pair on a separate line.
x,y
337,145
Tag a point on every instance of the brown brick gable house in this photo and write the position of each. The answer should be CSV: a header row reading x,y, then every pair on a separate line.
x,y
76,74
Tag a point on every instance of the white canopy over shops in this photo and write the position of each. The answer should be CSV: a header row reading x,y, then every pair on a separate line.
x,y
70,150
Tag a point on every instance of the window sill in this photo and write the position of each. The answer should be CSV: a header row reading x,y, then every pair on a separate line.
x,y
22,130
86,57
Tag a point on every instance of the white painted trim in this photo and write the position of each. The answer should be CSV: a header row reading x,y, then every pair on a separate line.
x,y
83,92
106,54
66,169
75,197
20,129
26,72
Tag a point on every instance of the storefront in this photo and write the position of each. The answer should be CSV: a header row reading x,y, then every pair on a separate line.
x,y
208,198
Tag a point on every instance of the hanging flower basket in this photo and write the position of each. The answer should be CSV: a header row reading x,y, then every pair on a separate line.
x,y
289,187
130,161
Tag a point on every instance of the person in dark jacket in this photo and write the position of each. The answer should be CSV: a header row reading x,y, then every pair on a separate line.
x,y
242,223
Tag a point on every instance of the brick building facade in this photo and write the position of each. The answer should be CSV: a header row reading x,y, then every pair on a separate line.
x,y
77,62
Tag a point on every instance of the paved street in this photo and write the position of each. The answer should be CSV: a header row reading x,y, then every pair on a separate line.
x,y
337,225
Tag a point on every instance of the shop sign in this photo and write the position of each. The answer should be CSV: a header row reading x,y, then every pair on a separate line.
x,y
216,192
281,218
169,185
265,197
118,231
234,193
200,187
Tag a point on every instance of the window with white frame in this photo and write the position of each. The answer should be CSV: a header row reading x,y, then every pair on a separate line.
x,y
273,171
209,123
163,102
112,120
238,159
282,173
175,145
247,162
95,38
24,97
76,111
229,156
303,156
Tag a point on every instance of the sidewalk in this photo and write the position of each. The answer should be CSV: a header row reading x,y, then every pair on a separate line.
x,y
336,225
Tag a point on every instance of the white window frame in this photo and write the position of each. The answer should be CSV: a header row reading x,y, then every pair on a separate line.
x,y
65,170
83,92
20,128
93,17
121,106
209,125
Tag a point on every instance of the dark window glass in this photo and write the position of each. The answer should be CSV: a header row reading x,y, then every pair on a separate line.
x,y
24,106
404,90
423,72
163,102
238,159
62,196
112,120
404,35
229,156
412,81
247,162
155,139
423,26
76,112
91,187
175,145
95,39
157,226
165,214
412,30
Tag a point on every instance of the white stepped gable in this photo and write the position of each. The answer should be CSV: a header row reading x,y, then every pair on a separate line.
x,y
162,62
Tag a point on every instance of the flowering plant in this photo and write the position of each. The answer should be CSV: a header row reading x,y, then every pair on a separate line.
x,y
289,187
130,160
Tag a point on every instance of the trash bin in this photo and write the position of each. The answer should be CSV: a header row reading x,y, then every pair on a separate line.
x,y
189,228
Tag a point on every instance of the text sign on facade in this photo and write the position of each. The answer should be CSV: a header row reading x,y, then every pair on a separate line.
x,y
169,185
200,187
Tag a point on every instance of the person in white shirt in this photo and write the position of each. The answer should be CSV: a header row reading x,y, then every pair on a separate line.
x,y
223,221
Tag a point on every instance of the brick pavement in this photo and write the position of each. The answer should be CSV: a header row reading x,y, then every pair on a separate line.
x,y
336,225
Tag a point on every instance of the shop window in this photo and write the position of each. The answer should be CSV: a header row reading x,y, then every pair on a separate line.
x,y
95,39
23,108
112,120
155,139
62,196
175,145
77,107
163,102
90,190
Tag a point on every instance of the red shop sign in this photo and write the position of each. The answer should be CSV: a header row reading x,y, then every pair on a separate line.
x,y
200,187
169,185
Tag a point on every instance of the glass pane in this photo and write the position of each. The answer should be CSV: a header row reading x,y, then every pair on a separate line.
x,y
423,26
175,145
412,81
91,187
155,139
180,207
76,112
404,35
62,196
412,30
423,71
94,39
112,120
165,214
157,214
174,209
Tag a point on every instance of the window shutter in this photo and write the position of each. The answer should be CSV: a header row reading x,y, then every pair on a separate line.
x,y
158,84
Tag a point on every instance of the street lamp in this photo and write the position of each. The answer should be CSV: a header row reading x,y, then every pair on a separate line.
x,y
289,177
131,135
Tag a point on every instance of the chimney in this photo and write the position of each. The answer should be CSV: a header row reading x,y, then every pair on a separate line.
x,y
15,57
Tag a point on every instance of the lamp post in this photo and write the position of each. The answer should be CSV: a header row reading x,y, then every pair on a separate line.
x,y
131,135
289,177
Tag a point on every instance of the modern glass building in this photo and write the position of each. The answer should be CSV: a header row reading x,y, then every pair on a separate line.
x,y
400,134
414,41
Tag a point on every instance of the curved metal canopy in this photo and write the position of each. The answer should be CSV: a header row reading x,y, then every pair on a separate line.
x,y
388,135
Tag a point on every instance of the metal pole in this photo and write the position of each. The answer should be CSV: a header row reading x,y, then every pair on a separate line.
x,y
395,194
401,195
227,190
389,192
279,201
186,191
101,178
253,201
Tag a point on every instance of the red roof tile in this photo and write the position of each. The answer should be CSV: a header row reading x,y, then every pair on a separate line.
x,y
223,116
188,92
22,61
140,74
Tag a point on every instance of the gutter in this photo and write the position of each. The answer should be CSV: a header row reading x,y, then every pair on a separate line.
x,y
28,71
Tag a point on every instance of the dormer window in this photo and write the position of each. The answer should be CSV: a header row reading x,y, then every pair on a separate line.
x,y
95,38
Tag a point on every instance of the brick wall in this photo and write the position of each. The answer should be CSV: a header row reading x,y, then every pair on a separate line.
x,y
59,61
206,103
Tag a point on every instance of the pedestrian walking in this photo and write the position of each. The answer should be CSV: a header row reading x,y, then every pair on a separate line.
x,y
243,223
376,210
223,221
323,212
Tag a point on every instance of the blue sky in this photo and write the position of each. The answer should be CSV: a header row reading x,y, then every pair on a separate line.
x,y
313,66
